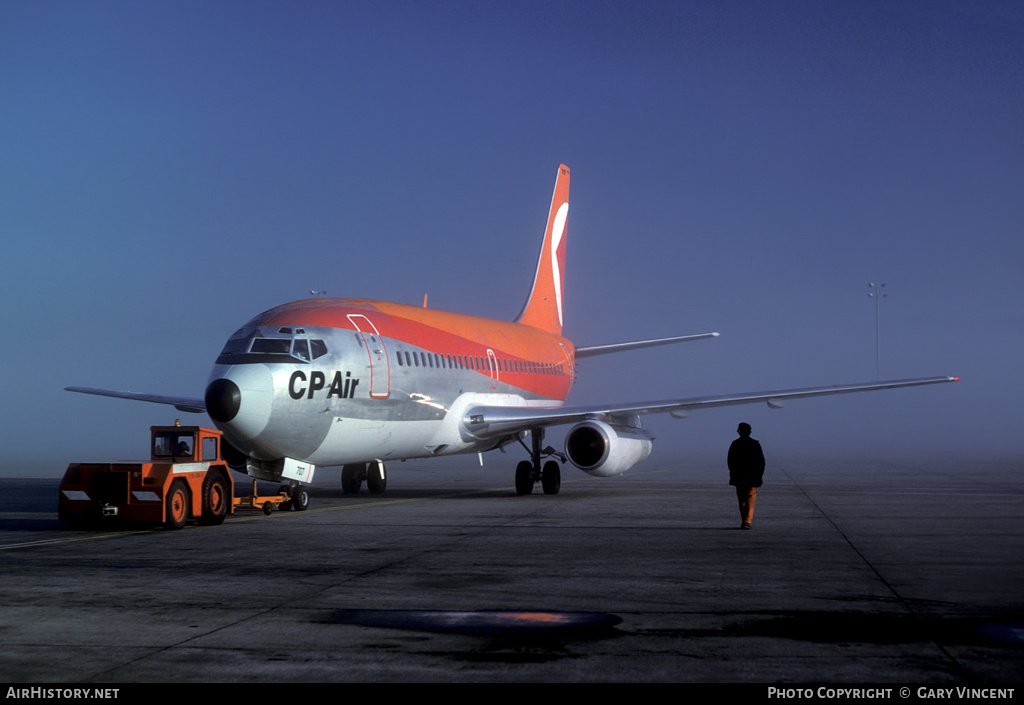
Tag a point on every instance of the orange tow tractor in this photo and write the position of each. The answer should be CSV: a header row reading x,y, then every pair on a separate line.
x,y
185,478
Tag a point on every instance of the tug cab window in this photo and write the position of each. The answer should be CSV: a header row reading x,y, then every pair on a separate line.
x,y
172,445
209,449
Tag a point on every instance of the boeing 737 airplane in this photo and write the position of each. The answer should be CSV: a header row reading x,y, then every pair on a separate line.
x,y
357,383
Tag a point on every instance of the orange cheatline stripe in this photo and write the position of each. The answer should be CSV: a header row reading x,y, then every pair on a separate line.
x,y
444,333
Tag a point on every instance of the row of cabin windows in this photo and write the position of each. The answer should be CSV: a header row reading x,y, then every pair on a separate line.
x,y
487,364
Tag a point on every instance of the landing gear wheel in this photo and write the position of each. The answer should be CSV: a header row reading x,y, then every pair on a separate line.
x,y
551,477
524,478
352,478
376,478
177,505
216,499
300,499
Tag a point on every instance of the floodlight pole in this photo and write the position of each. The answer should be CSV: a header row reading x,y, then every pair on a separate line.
x,y
877,292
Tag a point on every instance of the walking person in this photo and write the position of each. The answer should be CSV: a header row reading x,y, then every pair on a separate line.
x,y
746,468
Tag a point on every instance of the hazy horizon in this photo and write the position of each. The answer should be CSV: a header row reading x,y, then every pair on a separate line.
x,y
173,169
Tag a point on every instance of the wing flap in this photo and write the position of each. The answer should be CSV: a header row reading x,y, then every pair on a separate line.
x,y
488,421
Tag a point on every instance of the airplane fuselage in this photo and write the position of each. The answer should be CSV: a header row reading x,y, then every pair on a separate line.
x,y
339,381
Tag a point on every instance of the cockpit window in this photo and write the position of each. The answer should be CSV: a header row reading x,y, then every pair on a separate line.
x,y
249,345
239,342
271,345
236,346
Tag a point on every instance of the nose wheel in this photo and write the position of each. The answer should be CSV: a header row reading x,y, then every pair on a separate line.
x,y
300,498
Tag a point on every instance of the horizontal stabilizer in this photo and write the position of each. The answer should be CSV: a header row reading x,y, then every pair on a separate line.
x,y
192,406
591,350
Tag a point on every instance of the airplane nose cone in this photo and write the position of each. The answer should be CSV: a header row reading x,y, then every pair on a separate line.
x,y
240,399
223,400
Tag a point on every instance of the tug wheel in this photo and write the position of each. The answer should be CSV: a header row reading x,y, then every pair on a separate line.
x,y
216,499
177,505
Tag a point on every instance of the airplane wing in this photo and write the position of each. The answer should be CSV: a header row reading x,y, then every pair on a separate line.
x,y
488,421
194,406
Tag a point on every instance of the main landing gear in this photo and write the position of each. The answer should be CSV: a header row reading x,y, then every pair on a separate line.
x,y
529,472
374,474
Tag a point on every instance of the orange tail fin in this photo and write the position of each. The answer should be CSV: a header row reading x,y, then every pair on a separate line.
x,y
543,308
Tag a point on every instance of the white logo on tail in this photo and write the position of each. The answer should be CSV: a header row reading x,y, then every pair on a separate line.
x,y
557,231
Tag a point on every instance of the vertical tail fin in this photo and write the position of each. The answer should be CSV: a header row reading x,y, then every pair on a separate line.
x,y
543,308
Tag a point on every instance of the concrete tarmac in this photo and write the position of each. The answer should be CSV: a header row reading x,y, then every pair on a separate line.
x,y
857,571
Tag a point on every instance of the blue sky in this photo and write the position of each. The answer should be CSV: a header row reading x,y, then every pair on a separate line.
x,y
171,169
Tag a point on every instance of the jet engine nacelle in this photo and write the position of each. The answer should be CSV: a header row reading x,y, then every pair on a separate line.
x,y
603,450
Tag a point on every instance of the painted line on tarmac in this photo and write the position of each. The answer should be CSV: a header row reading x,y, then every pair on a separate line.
x,y
72,539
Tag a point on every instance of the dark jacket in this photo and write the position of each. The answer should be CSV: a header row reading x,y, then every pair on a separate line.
x,y
746,462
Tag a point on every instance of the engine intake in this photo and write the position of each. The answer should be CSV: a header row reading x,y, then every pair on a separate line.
x,y
604,450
